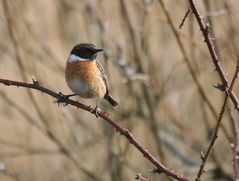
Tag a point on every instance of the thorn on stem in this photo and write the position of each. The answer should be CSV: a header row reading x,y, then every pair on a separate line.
x,y
155,170
34,80
236,106
207,28
202,155
7,83
184,18
221,87
137,176
140,177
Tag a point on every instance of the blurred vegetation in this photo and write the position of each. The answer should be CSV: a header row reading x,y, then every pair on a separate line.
x,y
159,101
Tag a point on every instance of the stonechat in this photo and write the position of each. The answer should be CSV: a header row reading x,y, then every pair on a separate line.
x,y
85,75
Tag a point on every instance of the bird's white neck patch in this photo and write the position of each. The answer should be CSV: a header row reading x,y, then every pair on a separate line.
x,y
73,58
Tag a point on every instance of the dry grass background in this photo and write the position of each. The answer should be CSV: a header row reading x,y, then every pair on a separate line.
x,y
159,101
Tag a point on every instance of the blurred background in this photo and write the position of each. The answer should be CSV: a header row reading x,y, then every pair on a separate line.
x,y
160,101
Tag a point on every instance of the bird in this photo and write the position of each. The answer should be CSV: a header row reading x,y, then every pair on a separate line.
x,y
85,75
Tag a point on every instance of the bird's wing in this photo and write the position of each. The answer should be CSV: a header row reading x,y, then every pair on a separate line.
x,y
102,75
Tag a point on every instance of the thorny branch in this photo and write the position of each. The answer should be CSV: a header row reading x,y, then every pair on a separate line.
x,y
211,47
215,133
20,63
160,167
191,68
234,146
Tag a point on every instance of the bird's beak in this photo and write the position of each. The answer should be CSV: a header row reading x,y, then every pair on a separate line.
x,y
98,50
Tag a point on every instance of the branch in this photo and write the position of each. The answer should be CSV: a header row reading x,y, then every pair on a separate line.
x,y
184,18
191,68
234,146
215,133
211,47
160,168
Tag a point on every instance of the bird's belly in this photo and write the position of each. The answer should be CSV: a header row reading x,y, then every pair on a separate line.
x,y
87,89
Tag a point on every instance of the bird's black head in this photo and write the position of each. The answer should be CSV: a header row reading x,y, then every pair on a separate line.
x,y
86,51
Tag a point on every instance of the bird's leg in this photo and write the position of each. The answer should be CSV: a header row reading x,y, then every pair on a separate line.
x,y
96,109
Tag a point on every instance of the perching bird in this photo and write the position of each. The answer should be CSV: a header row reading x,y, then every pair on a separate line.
x,y
85,75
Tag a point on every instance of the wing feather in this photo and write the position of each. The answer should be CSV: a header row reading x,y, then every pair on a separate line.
x,y
103,76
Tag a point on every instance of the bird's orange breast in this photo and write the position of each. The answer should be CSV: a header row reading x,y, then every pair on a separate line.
x,y
82,77
82,70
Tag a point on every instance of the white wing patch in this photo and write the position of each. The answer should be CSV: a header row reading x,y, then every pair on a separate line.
x,y
73,58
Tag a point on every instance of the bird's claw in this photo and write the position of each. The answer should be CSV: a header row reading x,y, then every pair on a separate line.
x,y
62,98
66,96
95,111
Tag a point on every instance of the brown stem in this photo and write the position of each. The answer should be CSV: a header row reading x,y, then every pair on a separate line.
x,y
191,68
212,50
19,59
160,167
215,133
234,146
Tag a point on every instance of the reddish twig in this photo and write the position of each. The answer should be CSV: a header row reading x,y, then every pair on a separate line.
x,y
184,18
123,131
215,133
234,146
211,47
191,68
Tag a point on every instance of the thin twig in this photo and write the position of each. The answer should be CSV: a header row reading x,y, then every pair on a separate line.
x,y
161,168
184,18
215,133
141,178
234,146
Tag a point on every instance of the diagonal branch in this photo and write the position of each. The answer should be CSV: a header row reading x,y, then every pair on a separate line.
x,y
160,167
184,18
234,145
215,133
191,68
212,50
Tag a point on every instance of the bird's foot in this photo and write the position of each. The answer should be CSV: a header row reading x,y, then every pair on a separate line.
x,y
66,96
63,97
95,111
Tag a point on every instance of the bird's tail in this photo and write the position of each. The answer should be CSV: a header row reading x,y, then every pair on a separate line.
x,y
111,100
